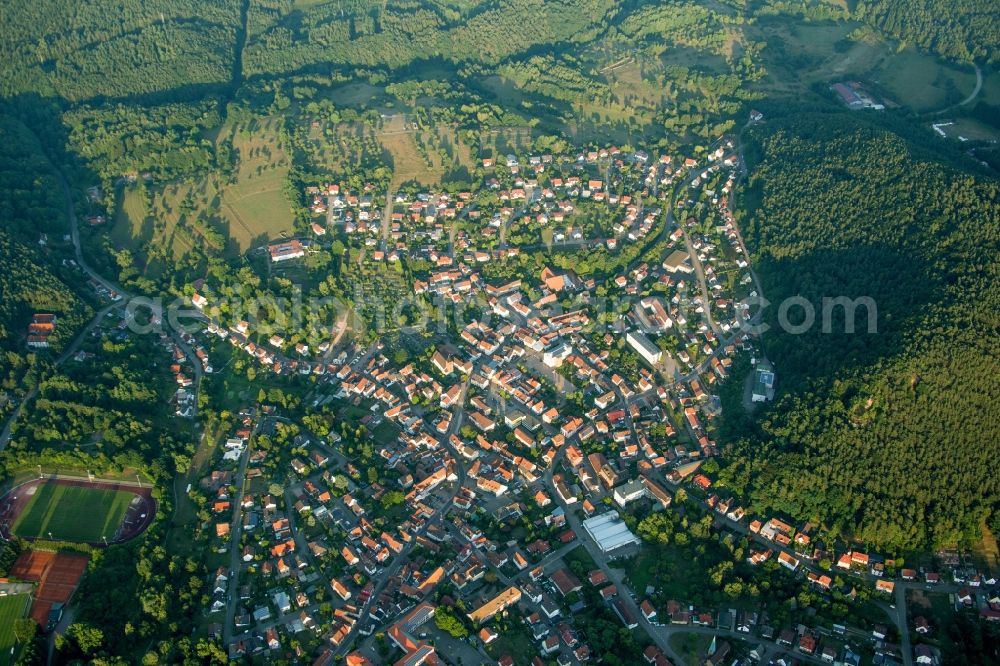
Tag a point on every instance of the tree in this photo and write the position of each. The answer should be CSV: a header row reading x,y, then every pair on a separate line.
x,y
392,498
446,621
87,637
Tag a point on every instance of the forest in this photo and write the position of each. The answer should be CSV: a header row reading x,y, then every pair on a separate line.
x,y
162,141
887,437
384,35
960,29
114,48
31,281
182,50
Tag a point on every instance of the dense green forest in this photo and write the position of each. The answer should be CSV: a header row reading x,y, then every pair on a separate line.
x,y
110,403
889,437
74,52
28,287
31,200
386,34
115,48
959,29
34,214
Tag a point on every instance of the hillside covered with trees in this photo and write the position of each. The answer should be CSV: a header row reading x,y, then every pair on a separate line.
x,y
959,29
33,211
118,50
889,437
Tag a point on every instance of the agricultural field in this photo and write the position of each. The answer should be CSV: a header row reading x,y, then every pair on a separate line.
x,y
409,161
13,607
226,214
72,513
423,154
153,234
255,206
156,228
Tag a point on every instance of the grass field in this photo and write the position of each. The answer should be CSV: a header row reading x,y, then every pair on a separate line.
x,y
580,554
255,206
799,56
516,642
251,210
408,163
638,92
987,551
132,223
12,608
396,139
935,606
971,130
72,513
693,648
922,82
991,88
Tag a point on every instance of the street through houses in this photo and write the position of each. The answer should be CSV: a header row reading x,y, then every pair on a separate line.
x,y
235,531
119,300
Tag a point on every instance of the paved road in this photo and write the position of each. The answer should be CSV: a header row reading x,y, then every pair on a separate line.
x,y
679,187
387,219
235,528
897,616
699,271
614,575
453,427
900,618
972,96
979,86
403,556
74,227
74,345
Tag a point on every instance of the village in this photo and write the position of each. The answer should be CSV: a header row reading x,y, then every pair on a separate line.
x,y
494,518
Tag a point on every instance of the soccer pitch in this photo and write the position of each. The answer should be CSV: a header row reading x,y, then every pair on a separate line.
x,y
72,513
12,608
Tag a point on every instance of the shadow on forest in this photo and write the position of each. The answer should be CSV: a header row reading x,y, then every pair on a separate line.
x,y
902,289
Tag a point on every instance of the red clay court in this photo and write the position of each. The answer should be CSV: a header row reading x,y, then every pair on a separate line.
x,y
58,575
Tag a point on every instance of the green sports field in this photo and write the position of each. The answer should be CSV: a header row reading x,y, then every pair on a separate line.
x,y
72,513
12,608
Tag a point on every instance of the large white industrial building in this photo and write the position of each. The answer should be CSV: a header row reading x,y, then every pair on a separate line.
x,y
609,531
